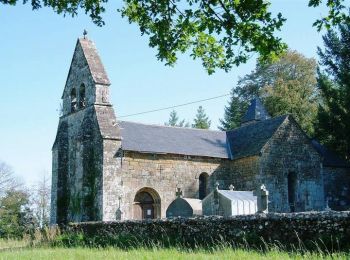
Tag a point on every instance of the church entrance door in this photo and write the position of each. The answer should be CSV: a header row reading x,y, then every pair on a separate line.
x,y
146,204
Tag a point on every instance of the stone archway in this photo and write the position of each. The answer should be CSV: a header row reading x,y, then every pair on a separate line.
x,y
146,204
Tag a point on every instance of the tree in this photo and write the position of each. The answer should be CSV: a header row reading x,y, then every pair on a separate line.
x,y
7,179
338,13
40,202
15,215
286,85
234,112
202,120
174,120
220,33
333,126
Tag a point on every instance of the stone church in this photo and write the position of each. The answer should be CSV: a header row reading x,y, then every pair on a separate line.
x,y
106,169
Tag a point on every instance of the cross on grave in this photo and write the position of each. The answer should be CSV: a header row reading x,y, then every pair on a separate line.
x,y
262,195
217,186
179,193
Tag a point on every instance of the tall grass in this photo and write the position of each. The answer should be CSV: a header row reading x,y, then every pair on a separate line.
x,y
160,253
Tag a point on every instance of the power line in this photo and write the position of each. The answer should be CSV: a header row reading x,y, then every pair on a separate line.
x,y
181,105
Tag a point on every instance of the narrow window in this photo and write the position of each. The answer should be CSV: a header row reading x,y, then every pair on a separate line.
x,y
292,190
73,100
203,185
82,99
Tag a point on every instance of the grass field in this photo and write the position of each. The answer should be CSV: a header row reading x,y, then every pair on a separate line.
x,y
112,253
10,243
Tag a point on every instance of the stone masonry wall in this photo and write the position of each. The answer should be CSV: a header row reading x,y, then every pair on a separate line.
x,y
77,168
162,174
313,230
289,151
337,187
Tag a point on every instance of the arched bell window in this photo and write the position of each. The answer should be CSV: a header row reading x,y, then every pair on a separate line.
x,y
82,96
73,100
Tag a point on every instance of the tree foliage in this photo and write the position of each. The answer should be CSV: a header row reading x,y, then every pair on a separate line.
x,y
201,120
333,127
40,202
221,33
7,179
234,112
15,215
286,85
338,13
174,120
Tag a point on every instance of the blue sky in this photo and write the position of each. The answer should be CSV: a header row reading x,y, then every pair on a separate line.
x,y
35,54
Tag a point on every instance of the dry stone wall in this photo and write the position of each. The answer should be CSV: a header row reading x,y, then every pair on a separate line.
x,y
326,229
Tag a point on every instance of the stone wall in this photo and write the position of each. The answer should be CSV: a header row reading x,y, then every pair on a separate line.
x,y
289,151
331,229
161,174
337,187
77,169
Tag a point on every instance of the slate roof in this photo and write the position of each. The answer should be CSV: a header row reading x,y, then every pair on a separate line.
x,y
249,139
329,158
238,195
255,112
195,204
173,140
95,64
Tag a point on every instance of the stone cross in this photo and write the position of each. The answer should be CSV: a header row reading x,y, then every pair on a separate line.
x,y
262,199
231,187
217,186
327,206
179,193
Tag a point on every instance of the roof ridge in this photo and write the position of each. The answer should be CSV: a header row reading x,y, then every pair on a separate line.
x,y
174,127
258,122
94,61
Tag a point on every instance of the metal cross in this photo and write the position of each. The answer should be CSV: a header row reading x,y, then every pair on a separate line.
x,y
179,193
85,33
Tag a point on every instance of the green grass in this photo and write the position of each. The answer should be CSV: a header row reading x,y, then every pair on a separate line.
x,y
12,243
113,253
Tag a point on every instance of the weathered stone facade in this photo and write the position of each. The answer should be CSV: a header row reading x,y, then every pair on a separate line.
x,y
104,169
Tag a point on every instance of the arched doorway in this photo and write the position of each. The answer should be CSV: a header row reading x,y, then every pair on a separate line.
x,y
146,204
203,185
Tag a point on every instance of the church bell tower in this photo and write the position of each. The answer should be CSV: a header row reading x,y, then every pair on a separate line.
x,y
87,122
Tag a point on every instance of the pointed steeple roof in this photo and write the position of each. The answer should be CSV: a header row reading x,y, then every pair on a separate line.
x,y
97,70
255,112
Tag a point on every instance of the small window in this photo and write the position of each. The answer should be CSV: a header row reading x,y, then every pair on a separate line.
x,y
82,99
203,185
292,190
73,100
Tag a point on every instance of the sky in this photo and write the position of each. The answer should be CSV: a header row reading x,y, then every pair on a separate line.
x,y
36,49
